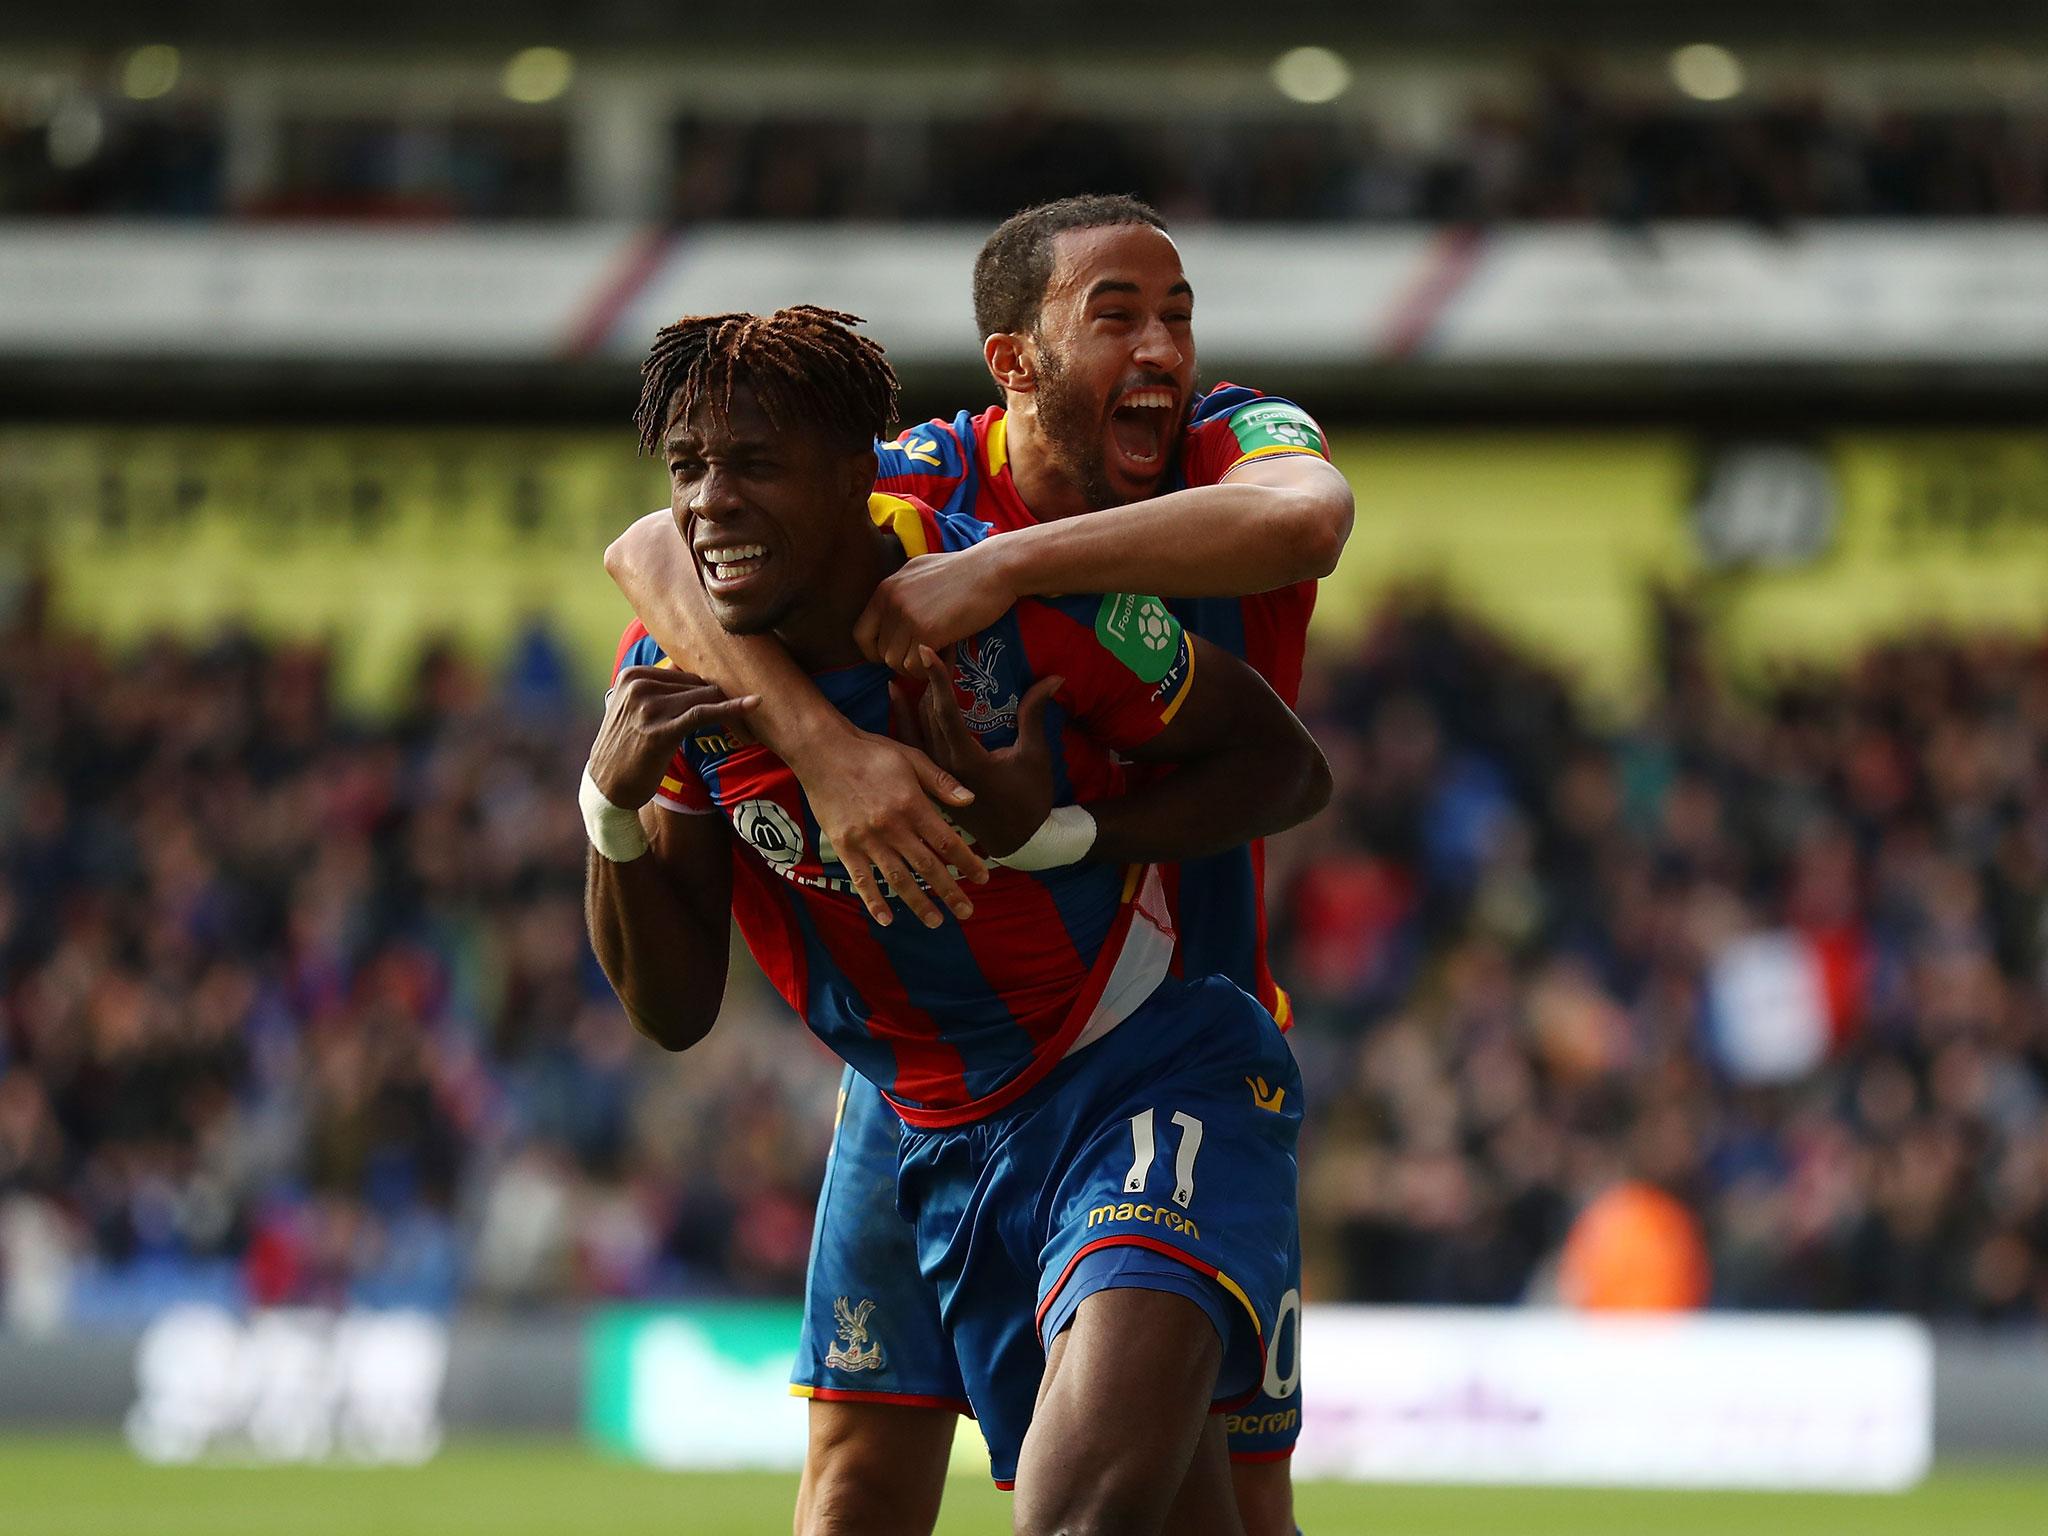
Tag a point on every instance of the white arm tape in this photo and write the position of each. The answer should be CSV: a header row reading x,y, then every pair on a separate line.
x,y
614,831
1063,838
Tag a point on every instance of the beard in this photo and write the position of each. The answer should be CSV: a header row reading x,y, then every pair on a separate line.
x,y
1072,427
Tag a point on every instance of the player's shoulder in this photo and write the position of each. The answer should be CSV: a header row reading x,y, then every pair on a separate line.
x,y
1226,401
934,449
1218,402
637,648
1234,422
921,528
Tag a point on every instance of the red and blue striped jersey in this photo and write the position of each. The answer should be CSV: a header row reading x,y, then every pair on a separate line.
x,y
962,466
953,1023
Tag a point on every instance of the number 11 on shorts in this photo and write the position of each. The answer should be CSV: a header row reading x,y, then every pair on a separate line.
x,y
1143,1147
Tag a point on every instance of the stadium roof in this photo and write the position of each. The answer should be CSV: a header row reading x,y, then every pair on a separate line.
x,y
1048,26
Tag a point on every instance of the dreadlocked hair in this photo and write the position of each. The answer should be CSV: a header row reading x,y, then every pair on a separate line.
x,y
806,366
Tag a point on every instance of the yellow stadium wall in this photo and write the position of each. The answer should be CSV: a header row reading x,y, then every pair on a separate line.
x,y
374,538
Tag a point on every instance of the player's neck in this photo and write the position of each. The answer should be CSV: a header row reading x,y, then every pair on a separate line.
x,y
819,634
1047,493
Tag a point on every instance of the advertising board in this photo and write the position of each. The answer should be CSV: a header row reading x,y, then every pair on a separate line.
x,y
1422,1395
289,1385
1691,1401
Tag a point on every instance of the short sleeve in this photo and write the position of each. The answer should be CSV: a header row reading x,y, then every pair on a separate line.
x,y
682,786
1264,427
1127,661
683,789
926,461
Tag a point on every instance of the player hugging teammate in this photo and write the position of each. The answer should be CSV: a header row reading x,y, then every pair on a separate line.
x,y
1014,1096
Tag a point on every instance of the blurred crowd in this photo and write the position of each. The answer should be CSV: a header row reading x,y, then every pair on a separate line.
x,y
1773,959
1573,153
296,1005
1569,151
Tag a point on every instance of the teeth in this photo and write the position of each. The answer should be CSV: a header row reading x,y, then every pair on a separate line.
x,y
735,554
732,562
1149,398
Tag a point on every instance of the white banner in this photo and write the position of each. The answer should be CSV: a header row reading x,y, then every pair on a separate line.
x,y
289,1385
331,293
1676,295
1419,1395
1695,1401
1858,292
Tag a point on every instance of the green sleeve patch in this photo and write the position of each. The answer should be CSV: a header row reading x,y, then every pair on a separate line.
x,y
1139,632
1275,424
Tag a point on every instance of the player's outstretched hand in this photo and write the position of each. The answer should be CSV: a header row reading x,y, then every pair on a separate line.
x,y
1012,785
875,809
932,600
650,711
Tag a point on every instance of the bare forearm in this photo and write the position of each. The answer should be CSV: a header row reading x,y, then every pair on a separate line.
x,y
1227,540
1211,805
664,957
654,570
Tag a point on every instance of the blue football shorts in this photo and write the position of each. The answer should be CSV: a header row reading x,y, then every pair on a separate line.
x,y
1161,1157
872,1332
871,1322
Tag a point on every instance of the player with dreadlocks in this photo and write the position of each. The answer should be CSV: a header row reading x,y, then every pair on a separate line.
x,y
805,365
1097,1156
1087,325
799,360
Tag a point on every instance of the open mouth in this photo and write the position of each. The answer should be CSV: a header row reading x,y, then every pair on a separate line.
x,y
731,565
1141,426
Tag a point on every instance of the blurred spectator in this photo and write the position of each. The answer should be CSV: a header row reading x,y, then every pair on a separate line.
x,y
1766,965
470,169
1634,1249
87,155
296,1005
1567,148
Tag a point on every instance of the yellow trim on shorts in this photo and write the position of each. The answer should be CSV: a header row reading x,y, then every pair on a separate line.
x,y
1230,1285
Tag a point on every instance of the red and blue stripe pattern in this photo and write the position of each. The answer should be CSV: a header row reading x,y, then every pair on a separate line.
x,y
954,1022
962,467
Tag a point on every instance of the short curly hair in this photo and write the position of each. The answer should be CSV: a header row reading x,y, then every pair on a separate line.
x,y
1015,264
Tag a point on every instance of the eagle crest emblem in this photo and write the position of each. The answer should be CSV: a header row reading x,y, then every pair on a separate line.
x,y
854,1351
977,668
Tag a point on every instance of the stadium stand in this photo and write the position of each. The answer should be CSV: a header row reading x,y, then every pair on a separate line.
x,y
1568,147
295,1004
293,1000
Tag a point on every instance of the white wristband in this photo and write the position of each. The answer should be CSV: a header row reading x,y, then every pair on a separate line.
x,y
1063,838
614,831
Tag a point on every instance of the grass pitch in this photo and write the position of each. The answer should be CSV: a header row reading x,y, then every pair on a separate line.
x,y
69,1487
